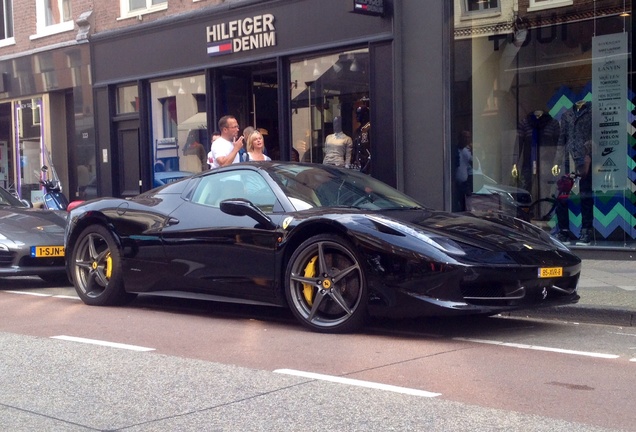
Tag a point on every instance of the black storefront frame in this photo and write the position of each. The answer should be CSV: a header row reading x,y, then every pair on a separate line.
x,y
129,44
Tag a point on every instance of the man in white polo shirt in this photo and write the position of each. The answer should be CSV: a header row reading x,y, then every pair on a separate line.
x,y
225,150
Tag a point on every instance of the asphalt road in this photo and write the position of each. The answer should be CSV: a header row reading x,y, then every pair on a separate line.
x,y
161,364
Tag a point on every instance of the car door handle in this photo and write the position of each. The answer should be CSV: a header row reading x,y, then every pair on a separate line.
x,y
172,221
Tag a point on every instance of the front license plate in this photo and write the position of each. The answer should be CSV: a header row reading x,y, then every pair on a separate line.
x,y
548,272
47,251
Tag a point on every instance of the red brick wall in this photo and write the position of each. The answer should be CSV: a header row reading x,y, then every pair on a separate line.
x,y
105,17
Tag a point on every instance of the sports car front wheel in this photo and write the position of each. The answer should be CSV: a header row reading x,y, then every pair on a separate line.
x,y
325,285
96,268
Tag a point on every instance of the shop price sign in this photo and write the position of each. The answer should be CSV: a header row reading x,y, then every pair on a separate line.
x,y
368,7
609,112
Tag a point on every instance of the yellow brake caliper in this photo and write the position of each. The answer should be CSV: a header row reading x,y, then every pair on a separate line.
x,y
308,289
109,266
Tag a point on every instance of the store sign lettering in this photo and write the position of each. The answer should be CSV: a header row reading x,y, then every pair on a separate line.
x,y
241,35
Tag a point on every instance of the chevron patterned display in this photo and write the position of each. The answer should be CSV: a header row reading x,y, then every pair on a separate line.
x,y
614,212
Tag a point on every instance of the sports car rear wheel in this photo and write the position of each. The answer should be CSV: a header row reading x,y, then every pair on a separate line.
x,y
96,268
325,285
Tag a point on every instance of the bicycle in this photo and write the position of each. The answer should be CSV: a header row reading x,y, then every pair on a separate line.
x,y
564,187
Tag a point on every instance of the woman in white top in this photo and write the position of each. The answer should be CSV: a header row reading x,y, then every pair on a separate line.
x,y
255,147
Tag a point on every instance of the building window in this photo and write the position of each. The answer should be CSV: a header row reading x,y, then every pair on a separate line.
x,y
127,99
6,31
330,109
471,6
53,16
134,8
531,109
536,5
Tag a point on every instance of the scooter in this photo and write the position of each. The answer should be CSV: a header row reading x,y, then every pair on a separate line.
x,y
53,198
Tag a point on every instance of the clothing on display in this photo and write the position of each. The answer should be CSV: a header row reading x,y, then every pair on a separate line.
x,y
338,148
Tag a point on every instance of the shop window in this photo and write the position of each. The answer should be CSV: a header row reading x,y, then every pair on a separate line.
x,y
476,6
134,8
53,16
553,97
127,99
179,119
6,14
536,5
330,109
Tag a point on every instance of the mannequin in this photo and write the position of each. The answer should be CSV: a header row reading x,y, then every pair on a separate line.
x,y
537,137
362,154
338,146
575,142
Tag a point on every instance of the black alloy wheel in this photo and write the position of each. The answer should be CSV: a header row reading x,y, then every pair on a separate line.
x,y
96,268
325,285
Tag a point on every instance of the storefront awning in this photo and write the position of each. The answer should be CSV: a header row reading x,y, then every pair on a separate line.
x,y
197,121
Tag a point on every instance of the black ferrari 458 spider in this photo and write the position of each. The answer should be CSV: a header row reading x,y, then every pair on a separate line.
x,y
332,244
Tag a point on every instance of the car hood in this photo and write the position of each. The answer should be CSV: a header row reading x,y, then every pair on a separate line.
x,y
32,226
491,231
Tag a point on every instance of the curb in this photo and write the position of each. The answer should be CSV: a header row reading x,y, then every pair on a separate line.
x,y
607,315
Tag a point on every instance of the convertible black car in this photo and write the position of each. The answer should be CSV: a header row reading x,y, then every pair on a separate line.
x,y
332,244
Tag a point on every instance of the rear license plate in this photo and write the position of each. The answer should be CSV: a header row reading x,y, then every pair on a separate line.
x,y
548,272
47,251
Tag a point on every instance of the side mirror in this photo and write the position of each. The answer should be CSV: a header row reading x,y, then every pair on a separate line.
x,y
242,207
26,203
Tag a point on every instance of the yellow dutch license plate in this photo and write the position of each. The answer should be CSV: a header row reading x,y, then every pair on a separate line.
x,y
47,251
548,272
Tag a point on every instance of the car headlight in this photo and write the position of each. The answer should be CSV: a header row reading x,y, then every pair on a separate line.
x,y
442,243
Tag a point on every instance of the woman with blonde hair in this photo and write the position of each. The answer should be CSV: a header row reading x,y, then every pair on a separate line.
x,y
256,147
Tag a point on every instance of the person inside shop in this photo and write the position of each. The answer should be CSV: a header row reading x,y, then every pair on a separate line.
x,y
193,147
362,150
575,141
256,148
215,135
225,149
464,173
338,146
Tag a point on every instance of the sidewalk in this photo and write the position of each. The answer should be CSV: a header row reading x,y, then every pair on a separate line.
x,y
608,295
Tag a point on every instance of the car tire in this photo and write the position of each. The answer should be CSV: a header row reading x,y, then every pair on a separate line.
x,y
96,268
325,285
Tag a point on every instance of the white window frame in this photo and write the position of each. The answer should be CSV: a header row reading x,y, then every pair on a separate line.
x,y
125,12
3,42
537,5
46,30
496,10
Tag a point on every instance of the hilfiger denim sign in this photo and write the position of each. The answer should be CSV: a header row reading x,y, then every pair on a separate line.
x,y
241,35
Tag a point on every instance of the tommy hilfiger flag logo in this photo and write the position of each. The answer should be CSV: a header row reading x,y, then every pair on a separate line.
x,y
220,48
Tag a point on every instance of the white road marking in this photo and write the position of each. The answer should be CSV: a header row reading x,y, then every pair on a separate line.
x,y
37,294
103,343
540,348
66,297
633,360
29,293
359,383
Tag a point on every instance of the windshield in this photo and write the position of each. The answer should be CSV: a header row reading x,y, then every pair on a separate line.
x,y
309,186
6,199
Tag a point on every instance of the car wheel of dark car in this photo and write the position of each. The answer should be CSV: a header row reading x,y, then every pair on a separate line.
x,y
325,285
96,268
55,278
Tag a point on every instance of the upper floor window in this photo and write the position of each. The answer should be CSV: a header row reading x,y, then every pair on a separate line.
x,y
481,6
131,8
547,4
6,13
53,16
